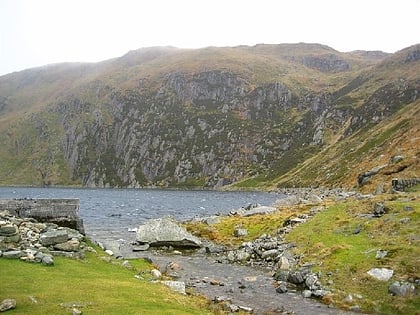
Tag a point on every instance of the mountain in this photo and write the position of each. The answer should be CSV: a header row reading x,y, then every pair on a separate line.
x,y
262,116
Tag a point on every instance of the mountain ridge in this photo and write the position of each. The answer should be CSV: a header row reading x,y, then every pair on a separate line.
x,y
210,117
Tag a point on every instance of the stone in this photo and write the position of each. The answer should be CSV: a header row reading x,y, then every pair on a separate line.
x,y
8,230
177,286
7,304
256,210
306,294
140,248
52,237
320,293
240,232
402,288
13,254
156,273
379,209
269,254
47,260
284,263
75,311
396,158
295,277
312,282
165,232
282,288
109,252
381,274
69,246
212,220
380,254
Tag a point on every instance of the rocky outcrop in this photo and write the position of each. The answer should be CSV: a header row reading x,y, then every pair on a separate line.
x,y
165,232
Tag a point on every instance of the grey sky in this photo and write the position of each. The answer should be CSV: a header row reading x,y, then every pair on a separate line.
x,y
39,32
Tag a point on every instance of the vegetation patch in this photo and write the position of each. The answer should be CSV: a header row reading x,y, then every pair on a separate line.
x,y
343,242
95,285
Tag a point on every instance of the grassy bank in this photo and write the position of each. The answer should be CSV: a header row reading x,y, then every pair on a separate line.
x,y
94,285
341,242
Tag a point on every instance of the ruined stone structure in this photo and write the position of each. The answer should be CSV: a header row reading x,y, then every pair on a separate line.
x,y
63,212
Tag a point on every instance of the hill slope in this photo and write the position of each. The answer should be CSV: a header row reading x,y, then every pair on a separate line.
x,y
267,115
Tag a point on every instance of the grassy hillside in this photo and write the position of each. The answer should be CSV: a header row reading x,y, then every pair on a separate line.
x,y
297,115
95,285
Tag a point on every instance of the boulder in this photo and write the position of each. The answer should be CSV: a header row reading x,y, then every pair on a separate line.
x,y
381,274
256,210
240,232
379,209
402,288
165,232
52,237
177,286
13,254
7,304
69,246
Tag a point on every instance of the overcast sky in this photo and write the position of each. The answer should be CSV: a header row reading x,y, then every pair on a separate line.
x,y
39,32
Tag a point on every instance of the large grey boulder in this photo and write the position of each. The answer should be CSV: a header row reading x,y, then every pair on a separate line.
x,y
53,237
166,232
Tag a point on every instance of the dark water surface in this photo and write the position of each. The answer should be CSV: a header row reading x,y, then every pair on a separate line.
x,y
110,213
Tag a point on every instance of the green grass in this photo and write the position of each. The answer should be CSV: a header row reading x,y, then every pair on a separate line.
x,y
328,241
97,286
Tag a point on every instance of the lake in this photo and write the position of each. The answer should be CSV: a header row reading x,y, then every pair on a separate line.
x,y
109,214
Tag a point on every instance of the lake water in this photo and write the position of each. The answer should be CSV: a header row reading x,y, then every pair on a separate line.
x,y
109,214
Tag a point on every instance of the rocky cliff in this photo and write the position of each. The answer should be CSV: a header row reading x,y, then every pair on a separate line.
x,y
195,118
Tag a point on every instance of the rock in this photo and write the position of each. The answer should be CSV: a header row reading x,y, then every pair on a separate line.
x,y
75,311
47,260
282,288
396,158
140,248
126,264
381,274
109,252
13,254
69,246
379,209
284,263
7,304
364,178
256,210
295,277
156,273
177,286
306,294
211,220
312,282
52,237
380,254
8,229
269,254
320,293
402,289
240,232
165,232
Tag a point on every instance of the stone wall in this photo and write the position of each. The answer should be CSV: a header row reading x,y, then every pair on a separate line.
x,y
63,212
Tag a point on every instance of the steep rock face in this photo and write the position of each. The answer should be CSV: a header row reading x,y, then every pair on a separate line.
x,y
205,129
